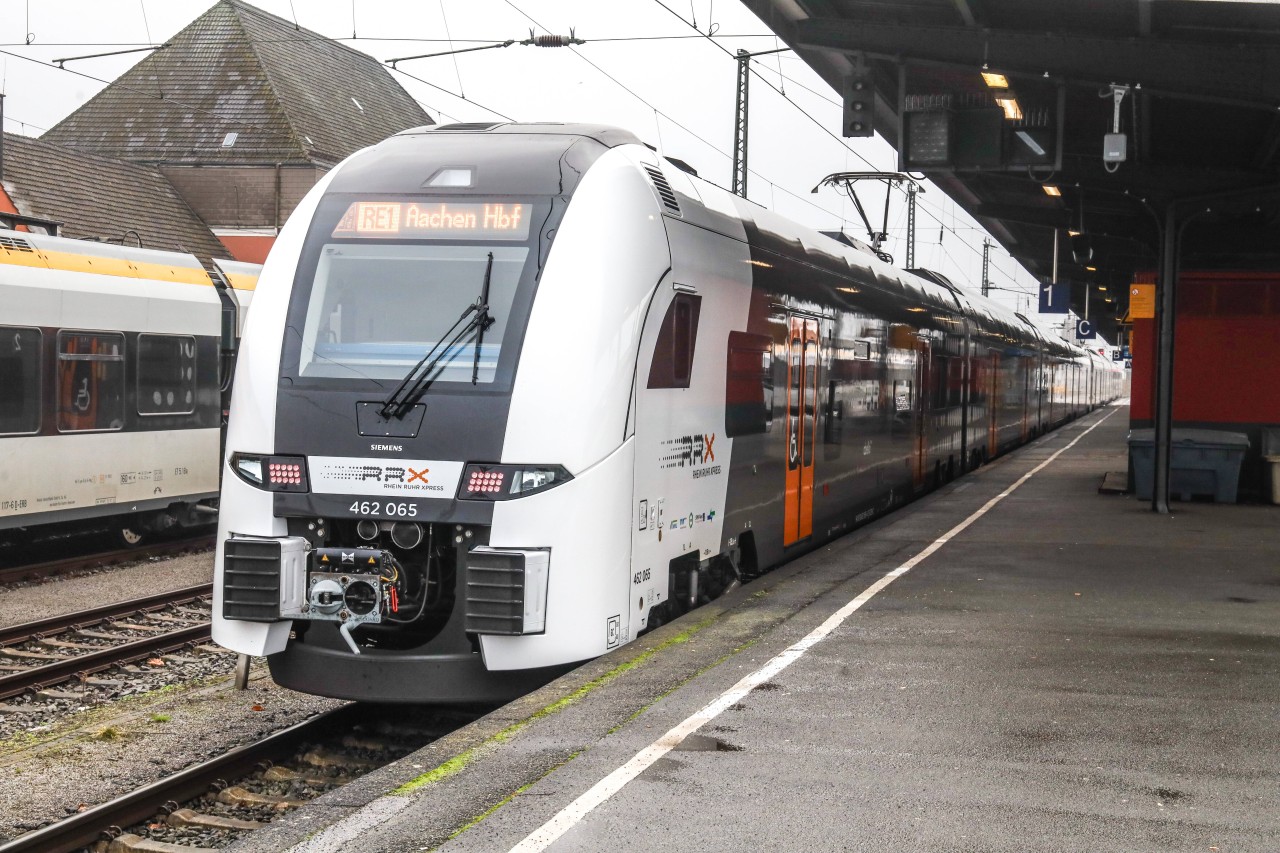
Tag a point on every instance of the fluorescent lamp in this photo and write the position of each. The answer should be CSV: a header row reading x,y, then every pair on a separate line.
x,y
994,80
1012,111
1051,190
1030,142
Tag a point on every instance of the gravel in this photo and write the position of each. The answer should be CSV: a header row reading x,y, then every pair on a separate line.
x,y
96,754
59,755
28,602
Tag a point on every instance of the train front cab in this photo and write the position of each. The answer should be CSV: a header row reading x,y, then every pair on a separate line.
x,y
498,591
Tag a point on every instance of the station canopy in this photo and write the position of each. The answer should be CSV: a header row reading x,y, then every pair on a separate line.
x,y
1193,86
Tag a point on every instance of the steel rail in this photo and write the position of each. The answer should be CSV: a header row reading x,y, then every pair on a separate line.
x,y
56,671
107,820
81,618
9,574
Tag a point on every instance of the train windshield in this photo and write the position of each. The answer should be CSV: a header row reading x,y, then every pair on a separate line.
x,y
376,292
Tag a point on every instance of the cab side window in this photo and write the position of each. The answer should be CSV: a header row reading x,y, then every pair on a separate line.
x,y
677,337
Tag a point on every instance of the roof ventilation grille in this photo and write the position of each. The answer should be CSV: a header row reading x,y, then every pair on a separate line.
x,y
15,244
665,192
468,125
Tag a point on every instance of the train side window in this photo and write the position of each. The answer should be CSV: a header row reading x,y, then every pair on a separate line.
x,y
90,381
20,356
166,374
673,355
748,385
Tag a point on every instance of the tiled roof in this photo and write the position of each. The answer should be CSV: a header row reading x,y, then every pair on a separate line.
x,y
288,94
95,196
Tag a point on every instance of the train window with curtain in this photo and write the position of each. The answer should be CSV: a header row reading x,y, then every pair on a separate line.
x,y
166,374
748,385
19,380
90,381
672,364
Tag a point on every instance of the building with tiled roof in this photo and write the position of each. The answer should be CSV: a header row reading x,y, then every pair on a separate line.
x,y
243,112
97,198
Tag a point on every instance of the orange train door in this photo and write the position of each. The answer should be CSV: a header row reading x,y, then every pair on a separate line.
x,y
922,404
802,402
995,402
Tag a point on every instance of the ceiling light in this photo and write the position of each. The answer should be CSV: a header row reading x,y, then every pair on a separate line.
x,y
1092,269
994,80
1102,287
1071,233
1051,190
1012,111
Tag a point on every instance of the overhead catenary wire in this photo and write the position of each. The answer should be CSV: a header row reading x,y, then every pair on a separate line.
x,y
669,117
451,94
921,203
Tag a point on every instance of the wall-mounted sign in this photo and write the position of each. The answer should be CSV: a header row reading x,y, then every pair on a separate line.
x,y
1142,301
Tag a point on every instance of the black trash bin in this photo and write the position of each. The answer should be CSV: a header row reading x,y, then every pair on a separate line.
x,y
1201,462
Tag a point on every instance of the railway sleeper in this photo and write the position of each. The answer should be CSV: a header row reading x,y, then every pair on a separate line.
x,y
237,796
190,817
130,843
286,774
369,744
94,634
132,626
321,757
19,654
65,644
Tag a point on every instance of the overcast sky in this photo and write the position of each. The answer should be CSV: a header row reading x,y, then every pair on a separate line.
x,y
671,86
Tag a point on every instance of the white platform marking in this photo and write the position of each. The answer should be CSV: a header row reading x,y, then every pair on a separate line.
x,y
542,837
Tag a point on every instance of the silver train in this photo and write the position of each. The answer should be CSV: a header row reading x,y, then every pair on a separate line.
x,y
513,394
111,374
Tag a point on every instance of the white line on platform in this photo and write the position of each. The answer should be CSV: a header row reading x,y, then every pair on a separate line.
x,y
544,836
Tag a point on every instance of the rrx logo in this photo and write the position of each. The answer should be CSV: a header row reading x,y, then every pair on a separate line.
x,y
392,474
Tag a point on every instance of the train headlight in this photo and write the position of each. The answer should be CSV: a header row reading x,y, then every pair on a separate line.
x,y
273,473
504,482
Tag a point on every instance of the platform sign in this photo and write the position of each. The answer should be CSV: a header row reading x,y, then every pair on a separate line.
x,y
1085,330
1055,298
1142,301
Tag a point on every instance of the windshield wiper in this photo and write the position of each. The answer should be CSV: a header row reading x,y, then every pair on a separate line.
x,y
418,379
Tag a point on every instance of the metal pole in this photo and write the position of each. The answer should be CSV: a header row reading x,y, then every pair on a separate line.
x,y
2,139
986,260
911,226
1055,258
1165,304
740,126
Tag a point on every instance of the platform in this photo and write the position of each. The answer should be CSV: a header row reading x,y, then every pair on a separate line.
x,y
1068,672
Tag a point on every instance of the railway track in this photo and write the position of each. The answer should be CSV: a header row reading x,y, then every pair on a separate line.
x,y
101,559
38,655
210,804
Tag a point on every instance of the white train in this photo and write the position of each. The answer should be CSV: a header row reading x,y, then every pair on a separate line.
x,y
512,394
110,384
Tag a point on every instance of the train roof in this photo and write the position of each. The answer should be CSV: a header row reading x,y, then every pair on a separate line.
x,y
19,248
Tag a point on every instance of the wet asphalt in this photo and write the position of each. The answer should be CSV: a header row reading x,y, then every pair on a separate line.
x,y
1071,672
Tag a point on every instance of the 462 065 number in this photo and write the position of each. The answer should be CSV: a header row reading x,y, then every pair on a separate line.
x,y
390,508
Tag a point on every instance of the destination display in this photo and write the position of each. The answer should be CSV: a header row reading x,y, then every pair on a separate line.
x,y
380,220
